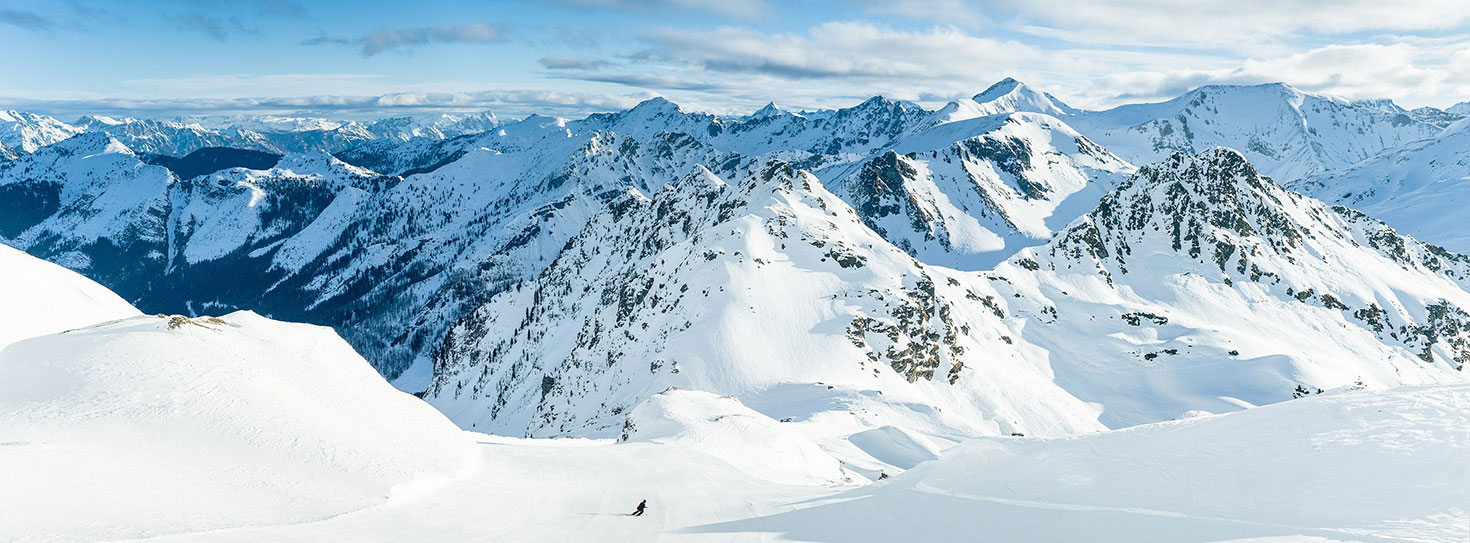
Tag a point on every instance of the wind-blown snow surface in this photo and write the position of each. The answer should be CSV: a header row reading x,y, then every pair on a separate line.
x,y
155,425
42,298
1365,466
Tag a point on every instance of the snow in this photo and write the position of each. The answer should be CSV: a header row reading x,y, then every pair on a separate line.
x,y
42,298
1287,133
1422,189
1366,466
153,425
724,428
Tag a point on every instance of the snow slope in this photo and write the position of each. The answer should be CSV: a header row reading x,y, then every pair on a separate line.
x,y
726,429
1422,189
1374,466
42,298
1367,466
154,425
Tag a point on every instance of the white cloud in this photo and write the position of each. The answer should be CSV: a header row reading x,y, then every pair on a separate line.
x,y
1254,26
385,39
1415,74
746,9
509,103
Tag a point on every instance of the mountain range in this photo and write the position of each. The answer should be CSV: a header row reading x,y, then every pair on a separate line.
x,y
815,324
505,268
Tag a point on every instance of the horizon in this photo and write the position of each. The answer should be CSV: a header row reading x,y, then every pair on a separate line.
x,y
570,58
366,116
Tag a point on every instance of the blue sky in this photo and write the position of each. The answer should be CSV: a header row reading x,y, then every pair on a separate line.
x,y
569,57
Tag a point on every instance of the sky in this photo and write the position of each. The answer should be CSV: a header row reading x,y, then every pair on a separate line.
x,y
363,59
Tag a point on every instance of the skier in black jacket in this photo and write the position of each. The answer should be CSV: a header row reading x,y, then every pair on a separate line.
x,y
641,506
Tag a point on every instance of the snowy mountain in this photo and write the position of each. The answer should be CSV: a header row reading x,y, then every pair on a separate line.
x,y
1195,286
1006,96
1422,188
158,137
1435,116
1200,285
1287,133
970,193
26,132
393,261
90,204
768,288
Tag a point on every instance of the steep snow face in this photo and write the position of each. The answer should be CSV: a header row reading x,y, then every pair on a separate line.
x,y
968,194
1422,189
722,427
154,425
771,290
1286,133
1200,285
26,132
1006,96
42,298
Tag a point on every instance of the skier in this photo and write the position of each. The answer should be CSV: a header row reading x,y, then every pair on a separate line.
x,y
641,506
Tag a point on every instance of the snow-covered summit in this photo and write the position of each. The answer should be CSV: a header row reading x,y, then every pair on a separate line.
x,y
1005,96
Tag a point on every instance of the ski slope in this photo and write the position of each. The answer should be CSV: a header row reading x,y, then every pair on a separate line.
x,y
1370,466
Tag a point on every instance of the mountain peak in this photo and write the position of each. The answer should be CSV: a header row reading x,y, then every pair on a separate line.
x,y
1005,96
91,143
769,111
658,104
1001,87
